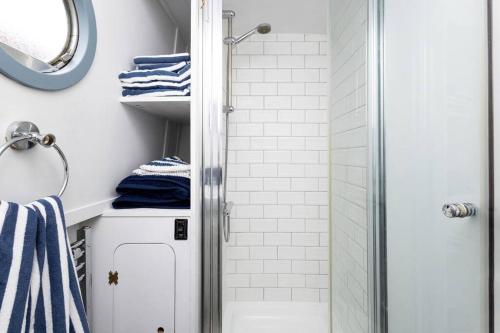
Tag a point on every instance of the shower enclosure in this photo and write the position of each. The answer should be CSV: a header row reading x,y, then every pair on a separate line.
x,y
266,226
353,170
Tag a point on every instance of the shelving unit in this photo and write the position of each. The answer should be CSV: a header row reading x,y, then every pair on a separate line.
x,y
126,239
175,108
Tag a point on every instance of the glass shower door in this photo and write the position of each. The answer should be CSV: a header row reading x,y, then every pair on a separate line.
x,y
435,105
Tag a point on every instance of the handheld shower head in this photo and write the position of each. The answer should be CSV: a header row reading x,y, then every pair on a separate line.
x,y
263,28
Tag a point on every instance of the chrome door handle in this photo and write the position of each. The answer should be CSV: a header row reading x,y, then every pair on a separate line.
x,y
226,220
464,209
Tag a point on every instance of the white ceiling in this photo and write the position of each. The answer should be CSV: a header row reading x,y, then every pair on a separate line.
x,y
285,16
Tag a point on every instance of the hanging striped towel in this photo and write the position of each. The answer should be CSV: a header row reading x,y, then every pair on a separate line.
x,y
39,290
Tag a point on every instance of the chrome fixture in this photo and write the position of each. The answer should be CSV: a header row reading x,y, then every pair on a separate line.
x,y
263,28
24,135
228,108
228,207
228,14
460,210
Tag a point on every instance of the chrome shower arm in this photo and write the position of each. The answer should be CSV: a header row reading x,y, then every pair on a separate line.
x,y
237,40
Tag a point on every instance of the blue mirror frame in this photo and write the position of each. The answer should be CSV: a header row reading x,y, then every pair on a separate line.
x,y
70,74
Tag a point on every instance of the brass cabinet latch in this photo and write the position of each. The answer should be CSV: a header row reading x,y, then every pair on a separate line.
x,y
113,278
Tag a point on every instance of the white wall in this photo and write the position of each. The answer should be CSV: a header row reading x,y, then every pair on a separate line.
x,y
285,16
278,170
348,144
102,139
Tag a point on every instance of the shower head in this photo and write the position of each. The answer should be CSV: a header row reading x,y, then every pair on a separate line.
x,y
263,28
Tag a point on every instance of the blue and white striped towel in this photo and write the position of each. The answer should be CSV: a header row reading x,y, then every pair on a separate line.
x,y
155,75
162,92
140,172
168,166
144,71
156,66
155,59
158,85
39,290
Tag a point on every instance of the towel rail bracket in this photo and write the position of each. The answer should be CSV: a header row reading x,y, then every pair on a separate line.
x,y
24,135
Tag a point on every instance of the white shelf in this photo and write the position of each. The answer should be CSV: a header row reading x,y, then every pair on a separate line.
x,y
147,212
176,108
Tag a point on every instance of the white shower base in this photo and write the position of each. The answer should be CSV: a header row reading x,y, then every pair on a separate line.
x,y
275,317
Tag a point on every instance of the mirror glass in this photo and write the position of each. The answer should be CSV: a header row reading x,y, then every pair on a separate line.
x,y
34,29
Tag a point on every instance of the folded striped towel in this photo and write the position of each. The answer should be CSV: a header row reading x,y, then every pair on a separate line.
x,y
156,66
158,85
143,71
155,59
161,92
39,289
155,75
167,164
184,174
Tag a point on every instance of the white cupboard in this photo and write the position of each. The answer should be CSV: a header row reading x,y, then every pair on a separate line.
x,y
143,266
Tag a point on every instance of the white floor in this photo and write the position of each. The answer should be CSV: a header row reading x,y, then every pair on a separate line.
x,y
275,317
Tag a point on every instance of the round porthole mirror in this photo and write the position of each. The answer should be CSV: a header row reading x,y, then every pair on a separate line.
x,y
47,44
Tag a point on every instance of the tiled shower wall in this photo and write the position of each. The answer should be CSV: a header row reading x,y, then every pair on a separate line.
x,y
278,171
349,155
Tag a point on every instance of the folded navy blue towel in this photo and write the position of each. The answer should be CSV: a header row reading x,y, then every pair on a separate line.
x,y
168,58
168,192
129,201
163,187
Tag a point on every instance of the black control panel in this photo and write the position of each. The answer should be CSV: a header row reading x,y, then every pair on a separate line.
x,y
181,229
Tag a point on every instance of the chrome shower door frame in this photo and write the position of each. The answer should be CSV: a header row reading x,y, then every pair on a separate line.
x,y
377,283
377,219
212,127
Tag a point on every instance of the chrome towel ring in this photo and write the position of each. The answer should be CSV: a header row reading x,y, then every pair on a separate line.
x,y
24,135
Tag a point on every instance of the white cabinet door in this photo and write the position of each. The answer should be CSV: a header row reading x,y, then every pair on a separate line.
x,y
144,297
157,276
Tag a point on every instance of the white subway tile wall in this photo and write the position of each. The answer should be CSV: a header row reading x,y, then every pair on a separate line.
x,y
348,144
278,171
